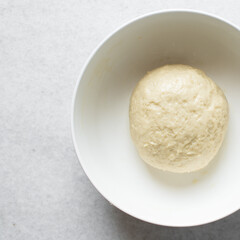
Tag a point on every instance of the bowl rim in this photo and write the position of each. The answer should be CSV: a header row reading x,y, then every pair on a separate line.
x,y
94,51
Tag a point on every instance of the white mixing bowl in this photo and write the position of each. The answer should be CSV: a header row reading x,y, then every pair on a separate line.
x,y
100,124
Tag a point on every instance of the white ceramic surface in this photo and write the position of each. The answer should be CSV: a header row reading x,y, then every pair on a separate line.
x,y
100,124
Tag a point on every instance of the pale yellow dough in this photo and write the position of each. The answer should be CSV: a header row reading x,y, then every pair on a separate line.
x,y
178,118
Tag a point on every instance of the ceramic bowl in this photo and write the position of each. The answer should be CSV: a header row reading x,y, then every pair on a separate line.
x,y
100,123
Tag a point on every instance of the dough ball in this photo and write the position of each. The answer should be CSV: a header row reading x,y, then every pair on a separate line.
x,y
178,118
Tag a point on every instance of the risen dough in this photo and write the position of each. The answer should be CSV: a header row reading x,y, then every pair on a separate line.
x,y
178,118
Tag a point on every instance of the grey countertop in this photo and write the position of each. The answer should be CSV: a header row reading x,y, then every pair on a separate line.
x,y
44,193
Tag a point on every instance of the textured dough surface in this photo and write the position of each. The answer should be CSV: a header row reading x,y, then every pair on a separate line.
x,y
178,118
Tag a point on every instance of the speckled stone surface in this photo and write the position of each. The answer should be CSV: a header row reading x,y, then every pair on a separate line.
x,y
44,193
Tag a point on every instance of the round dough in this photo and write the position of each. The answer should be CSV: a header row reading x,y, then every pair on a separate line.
x,y
178,118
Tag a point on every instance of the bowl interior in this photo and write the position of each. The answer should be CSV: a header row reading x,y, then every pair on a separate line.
x,y
101,124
